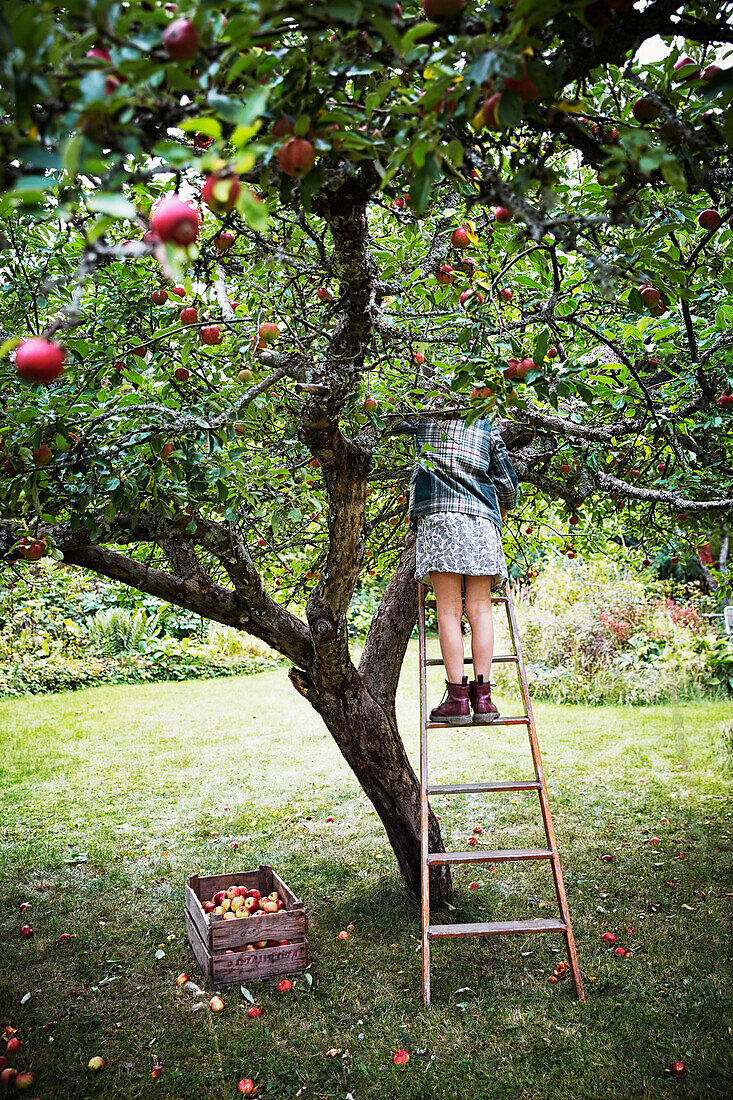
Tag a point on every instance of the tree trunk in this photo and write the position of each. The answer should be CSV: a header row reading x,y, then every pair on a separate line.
x,y
367,735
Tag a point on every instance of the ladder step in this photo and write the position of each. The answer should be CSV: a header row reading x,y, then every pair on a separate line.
x,y
503,658
487,855
522,720
488,788
496,928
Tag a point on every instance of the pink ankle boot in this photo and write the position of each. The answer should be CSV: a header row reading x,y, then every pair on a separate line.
x,y
484,711
456,710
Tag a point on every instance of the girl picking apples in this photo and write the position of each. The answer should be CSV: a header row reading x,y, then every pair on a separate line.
x,y
457,507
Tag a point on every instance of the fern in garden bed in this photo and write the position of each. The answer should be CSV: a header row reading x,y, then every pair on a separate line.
x,y
120,631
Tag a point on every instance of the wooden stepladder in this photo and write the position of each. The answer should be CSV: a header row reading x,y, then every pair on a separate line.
x,y
477,855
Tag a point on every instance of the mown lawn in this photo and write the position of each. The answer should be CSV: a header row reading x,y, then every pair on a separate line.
x,y
152,783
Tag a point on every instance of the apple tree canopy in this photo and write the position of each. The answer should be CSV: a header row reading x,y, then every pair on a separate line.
x,y
263,233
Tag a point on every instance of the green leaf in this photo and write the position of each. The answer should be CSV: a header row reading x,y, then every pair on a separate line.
x,y
115,205
673,174
255,213
71,151
420,30
422,184
541,345
204,125
246,994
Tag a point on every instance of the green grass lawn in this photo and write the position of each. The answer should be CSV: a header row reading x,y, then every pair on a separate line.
x,y
152,783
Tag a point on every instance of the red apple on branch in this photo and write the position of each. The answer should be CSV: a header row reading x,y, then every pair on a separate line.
x,y
459,238
442,9
490,112
523,86
282,127
709,219
211,334
645,109
38,360
181,374
220,193
175,222
42,455
181,40
684,63
159,297
268,332
188,315
296,157
444,275
502,215
223,241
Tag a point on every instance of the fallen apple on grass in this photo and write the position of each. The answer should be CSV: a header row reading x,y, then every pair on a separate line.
x,y
26,931
96,1063
246,1086
608,937
284,985
7,1077
181,979
400,1057
14,1045
216,1004
25,1080
254,1012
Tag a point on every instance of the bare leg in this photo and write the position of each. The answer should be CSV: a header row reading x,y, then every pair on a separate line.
x,y
450,607
478,612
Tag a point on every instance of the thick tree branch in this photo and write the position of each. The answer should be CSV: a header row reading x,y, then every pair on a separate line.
x,y
390,630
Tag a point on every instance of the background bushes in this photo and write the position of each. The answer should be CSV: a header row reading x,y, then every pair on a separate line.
x,y
61,629
599,630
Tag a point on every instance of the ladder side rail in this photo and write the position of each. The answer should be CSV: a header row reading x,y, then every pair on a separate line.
x,y
544,802
424,868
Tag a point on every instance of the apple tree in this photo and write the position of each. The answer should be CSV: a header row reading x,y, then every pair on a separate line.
x,y
242,242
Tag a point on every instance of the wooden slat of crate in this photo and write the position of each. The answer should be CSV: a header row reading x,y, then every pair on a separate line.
x,y
192,906
285,892
198,947
267,962
210,884
284,925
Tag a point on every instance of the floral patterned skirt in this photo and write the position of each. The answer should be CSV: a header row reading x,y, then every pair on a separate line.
x,y
452,542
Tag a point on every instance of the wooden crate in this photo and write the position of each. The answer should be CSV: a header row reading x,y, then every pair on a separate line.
x,y
210,936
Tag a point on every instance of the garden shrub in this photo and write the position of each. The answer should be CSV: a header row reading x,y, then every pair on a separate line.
x,y
601,631
60,629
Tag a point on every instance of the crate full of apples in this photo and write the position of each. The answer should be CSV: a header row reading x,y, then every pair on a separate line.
x,y
247,924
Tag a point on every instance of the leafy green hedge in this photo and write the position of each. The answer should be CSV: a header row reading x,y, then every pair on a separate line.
x,y
61,630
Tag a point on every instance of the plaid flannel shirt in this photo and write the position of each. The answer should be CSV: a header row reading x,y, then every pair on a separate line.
x,y
468,469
